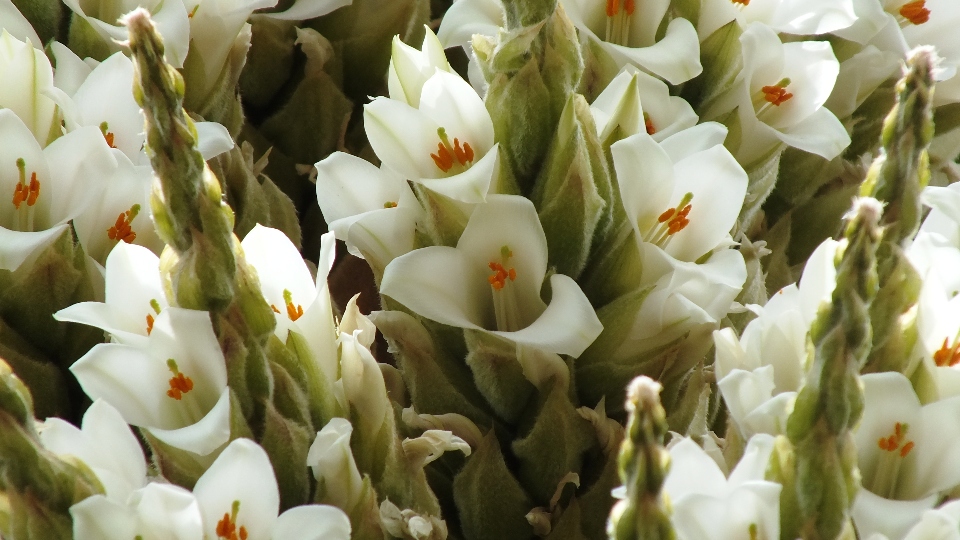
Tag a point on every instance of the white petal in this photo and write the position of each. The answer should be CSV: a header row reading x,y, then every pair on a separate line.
x,y
693,140
821,133
645,175
465,18
312,522
442,284
568,325
753,465
280,268
937,438
71,70
348,186
99,518
242,473
213,139
692,471
204,436
675,58
166,511
454,105
873,514
16,247
402,137
470,186
511,221
719,185
331,460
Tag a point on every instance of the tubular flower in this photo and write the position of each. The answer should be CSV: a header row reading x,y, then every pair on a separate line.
x,y
445,145
492,280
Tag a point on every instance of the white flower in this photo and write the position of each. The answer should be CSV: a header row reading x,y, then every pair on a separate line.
x,y
27,76
155,512
627,31
105,444
238,493
492,280
134,297
760,373
409,68
779,96
372,209
338,479
706,505
800,17
907,453
446,145
44,189
636,102
662,186
300,303
175,386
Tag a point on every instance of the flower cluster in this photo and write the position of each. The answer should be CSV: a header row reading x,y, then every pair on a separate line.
x,y
622,290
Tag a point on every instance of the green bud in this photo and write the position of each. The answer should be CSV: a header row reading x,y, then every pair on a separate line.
x,y
287,442
896,178
39,487
722,62
532,70
490,501
573,192
830,401
644,462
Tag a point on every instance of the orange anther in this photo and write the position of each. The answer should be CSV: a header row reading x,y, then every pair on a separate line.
x,y
906,449
274,308
294,312
500,276
19,195
666,215
628,6
464,154
150,321
442,158
179,385
108,136
915,12
776,94
648,124
741,2
34,190
613,7
947,356
121,230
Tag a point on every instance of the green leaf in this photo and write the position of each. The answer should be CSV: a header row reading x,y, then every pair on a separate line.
x,y
553,445
490,501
